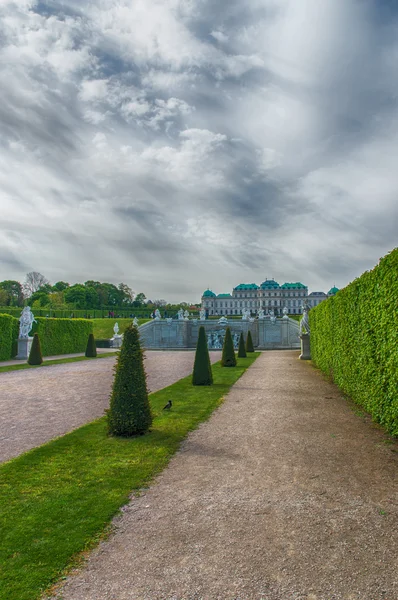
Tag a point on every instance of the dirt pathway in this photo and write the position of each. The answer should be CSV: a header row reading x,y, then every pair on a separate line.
x,y
37,405
284,494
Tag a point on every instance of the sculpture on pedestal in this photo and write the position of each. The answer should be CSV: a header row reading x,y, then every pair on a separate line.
x,y
26,322
202,314
260,314
180,314
158,316
304,323
186,316
285,313
135,322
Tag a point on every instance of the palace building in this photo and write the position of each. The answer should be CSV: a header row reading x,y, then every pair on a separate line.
x,y
268,296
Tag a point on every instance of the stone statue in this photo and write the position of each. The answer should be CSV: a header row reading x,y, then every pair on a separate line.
x,y
202,314
186,316
223,321
285,313
181,314
135,322
169,320
304,323
158,316
245,314
25,322
272,317
260,314
116,329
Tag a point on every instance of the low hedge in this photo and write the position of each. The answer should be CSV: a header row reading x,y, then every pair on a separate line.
x,y
62,336
9,329
354,339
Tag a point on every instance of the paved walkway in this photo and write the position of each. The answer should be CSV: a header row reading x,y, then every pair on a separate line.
x,y
284,494
13,362
37,405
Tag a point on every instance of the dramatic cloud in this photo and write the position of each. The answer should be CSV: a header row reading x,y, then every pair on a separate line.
x,y
181,144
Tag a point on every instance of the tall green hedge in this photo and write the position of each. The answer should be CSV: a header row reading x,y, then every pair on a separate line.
x,y
354,339
62,336
9,328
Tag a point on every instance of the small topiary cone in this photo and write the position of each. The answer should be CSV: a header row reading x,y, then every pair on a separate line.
x,y
228,352
129,412
241,349
202,373
91,350
35,356
249,342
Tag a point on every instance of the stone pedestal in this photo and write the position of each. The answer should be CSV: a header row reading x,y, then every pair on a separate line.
x,y
117,341
24,345
305,347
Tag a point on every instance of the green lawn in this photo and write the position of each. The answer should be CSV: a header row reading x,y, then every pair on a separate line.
x,y
57,500
103,328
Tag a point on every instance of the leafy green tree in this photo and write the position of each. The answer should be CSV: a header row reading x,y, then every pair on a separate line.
x,y
14,291
35,356
228,353
126,294
4,298
241,349
91,350
129,412
40,298
202,373
249,342
76,294
139,300
60,286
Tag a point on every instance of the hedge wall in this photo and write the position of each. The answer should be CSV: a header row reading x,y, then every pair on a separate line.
x,y
9,328
354,339
62,336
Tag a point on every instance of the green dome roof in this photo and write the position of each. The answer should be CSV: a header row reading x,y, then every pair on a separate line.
x,y
333,291
209,294
224,296
293,286
269,284
246,286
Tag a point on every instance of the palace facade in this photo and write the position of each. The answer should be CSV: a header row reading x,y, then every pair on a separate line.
x,y
268,296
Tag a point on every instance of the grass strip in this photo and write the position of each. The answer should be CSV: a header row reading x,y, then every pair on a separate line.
x,y
57,500
103,328
56,361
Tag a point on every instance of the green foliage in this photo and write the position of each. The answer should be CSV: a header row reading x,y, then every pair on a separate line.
x,y
241,349
9,328
354,339
35,355
249,342
228,353
202,373
129,412
91,350
63,336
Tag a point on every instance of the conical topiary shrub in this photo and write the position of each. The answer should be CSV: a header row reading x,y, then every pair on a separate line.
x,y
202,373
241,349
249,342
35,356
129,412
91,350
228,353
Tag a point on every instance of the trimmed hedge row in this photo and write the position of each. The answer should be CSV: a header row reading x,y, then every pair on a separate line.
x,y
62,336
9,328
354,339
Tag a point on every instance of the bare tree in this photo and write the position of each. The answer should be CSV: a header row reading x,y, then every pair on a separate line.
x,y
160,302
33,282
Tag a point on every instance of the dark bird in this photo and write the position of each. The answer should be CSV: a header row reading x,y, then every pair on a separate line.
x,y
168,405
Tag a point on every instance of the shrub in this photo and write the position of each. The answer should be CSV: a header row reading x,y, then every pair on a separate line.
x,y
129,412
63,336
228,354
249,342
35,356
241,349
9,329
202,373
91,350
354,339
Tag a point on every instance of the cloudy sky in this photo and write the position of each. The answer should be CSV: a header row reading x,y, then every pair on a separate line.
x,y
177,145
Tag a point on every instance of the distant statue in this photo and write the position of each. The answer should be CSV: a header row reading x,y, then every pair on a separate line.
x,y
305,323
272,316
25,322
186,316
260,314
169,320
158,316
285,313
116,329
202,314
245,314
135,322
223,321
180,314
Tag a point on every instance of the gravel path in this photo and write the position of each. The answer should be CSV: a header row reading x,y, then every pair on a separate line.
x,y
37,405
284,494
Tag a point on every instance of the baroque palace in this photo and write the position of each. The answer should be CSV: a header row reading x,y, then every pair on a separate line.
x,y
268,296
